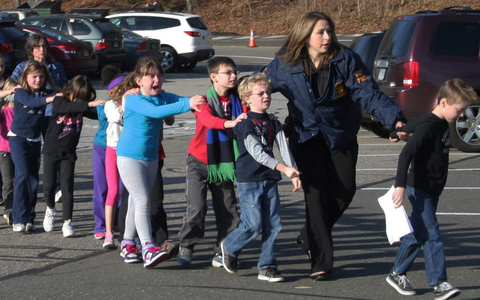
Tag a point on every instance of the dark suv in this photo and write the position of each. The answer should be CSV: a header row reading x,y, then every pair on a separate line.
x,y
107,39
419,52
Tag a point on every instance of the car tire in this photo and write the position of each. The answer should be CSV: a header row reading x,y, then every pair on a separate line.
x,y
170,59
379,129
187,67
465,131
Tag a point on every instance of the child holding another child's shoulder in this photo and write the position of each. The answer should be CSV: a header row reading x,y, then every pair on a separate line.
x,y
59,150
257,174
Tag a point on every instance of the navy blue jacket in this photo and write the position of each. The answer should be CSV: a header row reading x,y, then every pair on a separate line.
x,y
28,114
337,113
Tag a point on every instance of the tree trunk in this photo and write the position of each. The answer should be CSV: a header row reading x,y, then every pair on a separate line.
x,y
189,6
17,3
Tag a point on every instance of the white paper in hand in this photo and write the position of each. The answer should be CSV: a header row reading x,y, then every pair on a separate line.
x,y
396,219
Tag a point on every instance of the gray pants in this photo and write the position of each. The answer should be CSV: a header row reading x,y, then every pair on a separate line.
x,y
224,204
138,177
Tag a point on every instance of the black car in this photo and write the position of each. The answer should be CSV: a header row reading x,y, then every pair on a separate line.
x,y
137,46
366,46
12,43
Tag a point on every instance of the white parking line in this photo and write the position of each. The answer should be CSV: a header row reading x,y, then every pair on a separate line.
x,y
394,169
446,188
257,57
397,154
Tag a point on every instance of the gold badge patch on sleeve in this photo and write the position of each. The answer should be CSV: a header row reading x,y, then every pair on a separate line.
x,y
360,76
340,89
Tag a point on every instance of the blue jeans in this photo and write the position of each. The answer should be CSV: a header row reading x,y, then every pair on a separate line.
x,y
260,210
26,158
425,233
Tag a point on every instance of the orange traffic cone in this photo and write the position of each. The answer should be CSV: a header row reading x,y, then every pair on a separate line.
x,y
252,43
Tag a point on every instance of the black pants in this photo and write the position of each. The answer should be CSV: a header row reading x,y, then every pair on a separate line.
x,y
8,170
66,163
158,217
329,186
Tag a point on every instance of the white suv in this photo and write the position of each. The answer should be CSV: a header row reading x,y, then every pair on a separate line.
x,y
185,39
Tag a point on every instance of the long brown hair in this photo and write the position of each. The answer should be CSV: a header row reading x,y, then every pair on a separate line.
x,y
33,66
124,86
79,88
294,50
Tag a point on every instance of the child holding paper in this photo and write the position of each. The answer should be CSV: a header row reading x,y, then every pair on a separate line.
x,y
427,154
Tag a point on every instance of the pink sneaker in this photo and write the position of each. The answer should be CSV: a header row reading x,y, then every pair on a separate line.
x,y
99,235
153,255
109,242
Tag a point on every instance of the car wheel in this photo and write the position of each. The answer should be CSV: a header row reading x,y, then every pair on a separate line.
x,y
379,129
170,59
465,132
187,67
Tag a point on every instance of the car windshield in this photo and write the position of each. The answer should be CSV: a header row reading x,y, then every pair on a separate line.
x,y
397,39
57,35
196,22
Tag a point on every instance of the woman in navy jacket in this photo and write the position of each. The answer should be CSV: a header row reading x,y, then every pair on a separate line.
x,y
326,85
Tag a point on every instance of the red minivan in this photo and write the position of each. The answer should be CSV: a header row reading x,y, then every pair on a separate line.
x,y
420,52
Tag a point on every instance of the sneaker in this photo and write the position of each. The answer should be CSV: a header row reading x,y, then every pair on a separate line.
x,y
19,228
271,275
184,256
444,291
67,229
401,284
129,253
217,261
171,248
153,255
30,227
228,262
99,235
58,196
8,218
109,243
49,219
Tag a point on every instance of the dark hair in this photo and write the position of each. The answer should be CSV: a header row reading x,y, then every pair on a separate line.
x,y
294,50
33,42
214,63
33,66
109,73
81,88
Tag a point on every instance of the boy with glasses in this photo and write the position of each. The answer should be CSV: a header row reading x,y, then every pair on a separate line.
x,y
210,162
257,174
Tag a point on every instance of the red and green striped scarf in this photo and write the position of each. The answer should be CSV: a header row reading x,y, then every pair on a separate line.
x,y
220,157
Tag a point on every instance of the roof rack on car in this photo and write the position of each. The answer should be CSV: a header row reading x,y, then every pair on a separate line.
x,y
451,10
103,11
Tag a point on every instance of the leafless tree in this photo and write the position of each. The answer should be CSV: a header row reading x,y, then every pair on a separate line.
x,y
189,6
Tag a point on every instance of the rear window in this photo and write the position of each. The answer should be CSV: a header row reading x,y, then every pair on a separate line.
x,y
362,47
163,23
196,23
104,25
13,33
397,39
57,35
457,39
